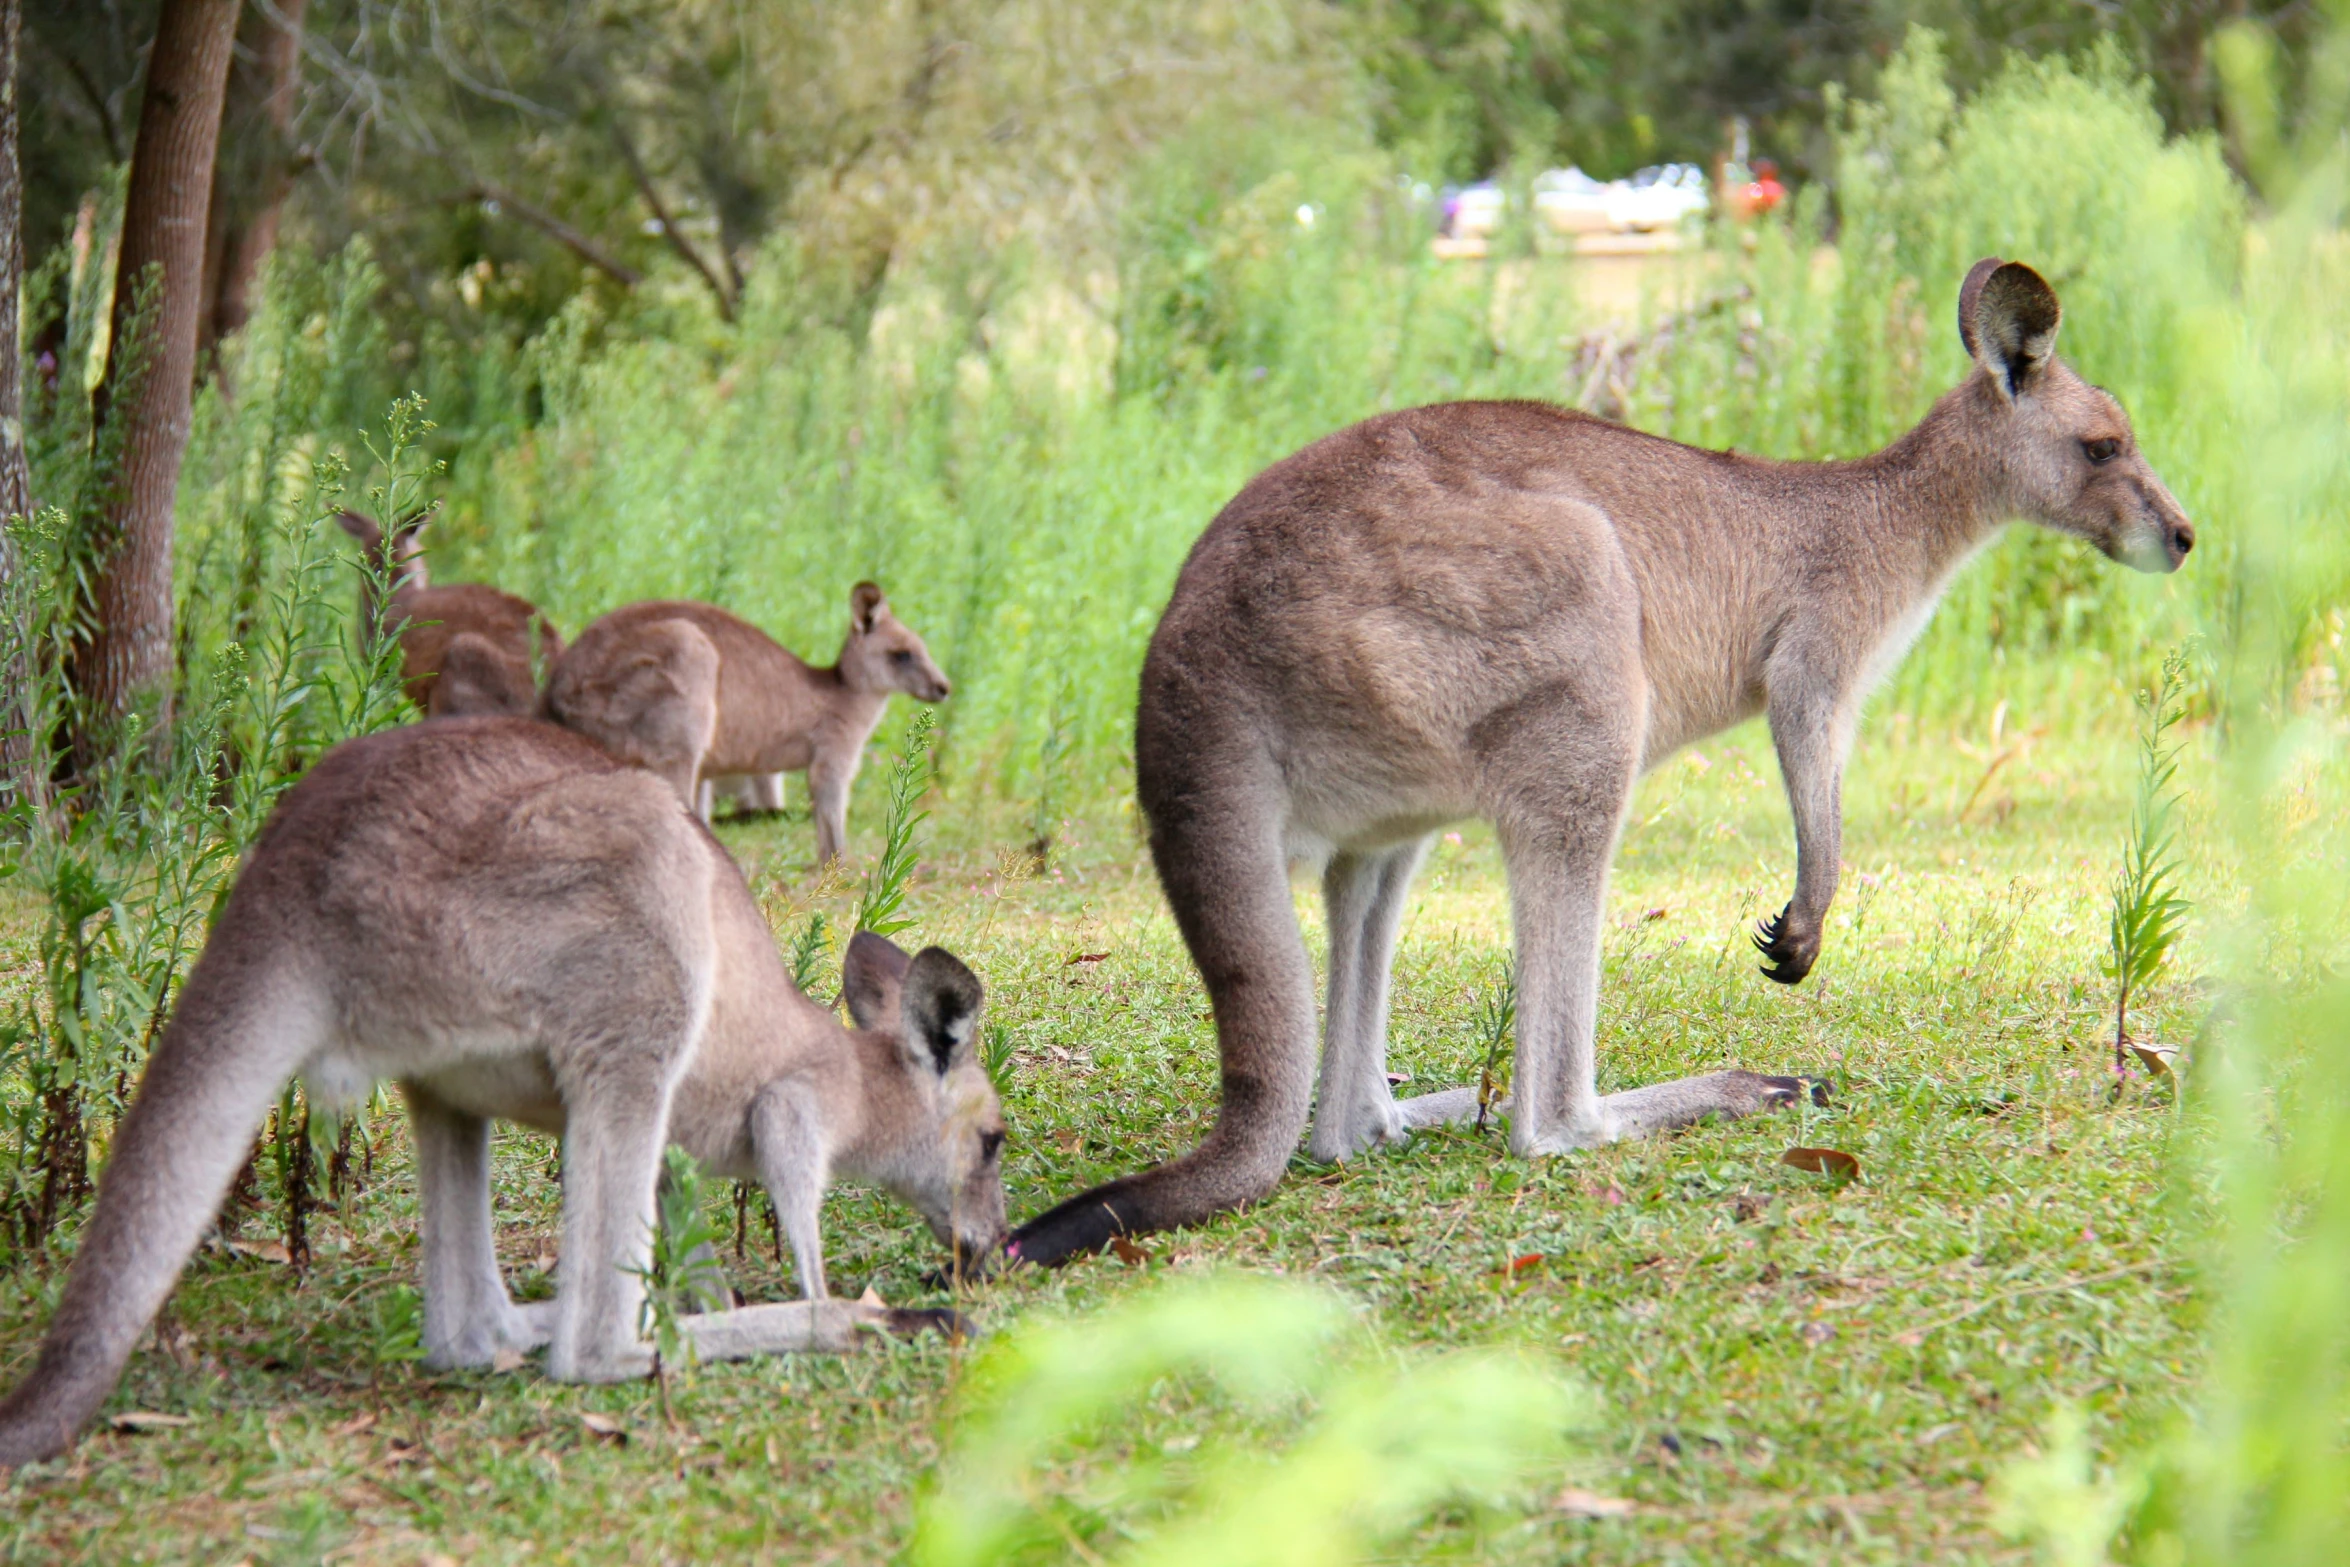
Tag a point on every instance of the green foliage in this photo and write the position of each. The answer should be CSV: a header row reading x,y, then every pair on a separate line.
x,y
1495,1026
1373,1444
996,1050
880,908
133,861
681,1276
1472,86
397,1321
809,950
2149,910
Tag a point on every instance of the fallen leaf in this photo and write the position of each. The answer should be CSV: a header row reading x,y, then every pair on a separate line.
x,y
2159,1060
354,1425
1823,1161
1518,1265
1578,1503
505,1360
872,1297
140,1420
605,1428
267,1251
1816,1333
1127,1252
1085,957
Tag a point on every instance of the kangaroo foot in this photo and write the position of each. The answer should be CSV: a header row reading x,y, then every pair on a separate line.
x,y
1662,1106
905,1322
1356,1127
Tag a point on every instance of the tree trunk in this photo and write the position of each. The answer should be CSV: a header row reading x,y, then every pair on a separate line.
x,y
141,408
16,485
255,171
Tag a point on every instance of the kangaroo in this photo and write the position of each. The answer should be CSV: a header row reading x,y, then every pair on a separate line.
x,y
511,923
1511,610
464,648
638,680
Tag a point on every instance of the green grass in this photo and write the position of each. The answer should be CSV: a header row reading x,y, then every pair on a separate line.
x,y
1786,1369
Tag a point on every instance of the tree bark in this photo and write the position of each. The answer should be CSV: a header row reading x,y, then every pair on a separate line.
x,y
16,484
255,170
141,408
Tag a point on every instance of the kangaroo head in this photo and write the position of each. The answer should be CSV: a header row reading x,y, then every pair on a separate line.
x,y
397,557
945,1156
883,655
2069,457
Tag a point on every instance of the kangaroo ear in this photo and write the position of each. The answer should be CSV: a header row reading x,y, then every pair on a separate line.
x,y
871,977
865,606
361,527
941,1008
2007,317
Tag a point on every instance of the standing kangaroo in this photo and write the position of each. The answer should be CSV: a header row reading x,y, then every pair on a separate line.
x,y
513,924
1511,610
703,697
464,648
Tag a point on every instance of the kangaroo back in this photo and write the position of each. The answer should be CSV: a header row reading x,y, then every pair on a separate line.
x,y
651,698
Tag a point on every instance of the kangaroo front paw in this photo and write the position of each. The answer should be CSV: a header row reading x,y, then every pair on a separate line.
x,y
1791,946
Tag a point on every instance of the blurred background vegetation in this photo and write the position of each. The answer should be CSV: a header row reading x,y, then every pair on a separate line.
x,y
997,303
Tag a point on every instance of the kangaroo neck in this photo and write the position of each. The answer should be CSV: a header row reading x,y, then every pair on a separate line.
x,y
1933,496
840,692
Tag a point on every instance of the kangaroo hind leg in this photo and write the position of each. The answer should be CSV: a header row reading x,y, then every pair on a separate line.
x,y
1355,1109
468,1316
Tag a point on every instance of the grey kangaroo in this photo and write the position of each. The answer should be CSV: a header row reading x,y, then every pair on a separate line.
x,y
464,648
1510,610
513,924
707,699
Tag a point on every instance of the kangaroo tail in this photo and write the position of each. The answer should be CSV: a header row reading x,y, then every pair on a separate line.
x,y
1217,843
244,1024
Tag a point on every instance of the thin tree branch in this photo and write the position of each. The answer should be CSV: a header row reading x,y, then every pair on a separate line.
x,y
557,230
669,230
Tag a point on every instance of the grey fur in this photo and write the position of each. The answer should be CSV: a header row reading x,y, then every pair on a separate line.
x,y
634,682
514,925
1510,610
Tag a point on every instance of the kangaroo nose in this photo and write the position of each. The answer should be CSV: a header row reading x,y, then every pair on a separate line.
x,y
2182,538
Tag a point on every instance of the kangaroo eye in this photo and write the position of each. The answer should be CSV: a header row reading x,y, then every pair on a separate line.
x,y
2101,451
903,657
990,1144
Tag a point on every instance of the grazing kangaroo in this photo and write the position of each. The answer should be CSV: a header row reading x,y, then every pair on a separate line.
x,y
1511,610
513,924
464,648
705,698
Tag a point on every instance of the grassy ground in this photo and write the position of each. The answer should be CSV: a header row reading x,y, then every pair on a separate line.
x,y
1788,1369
